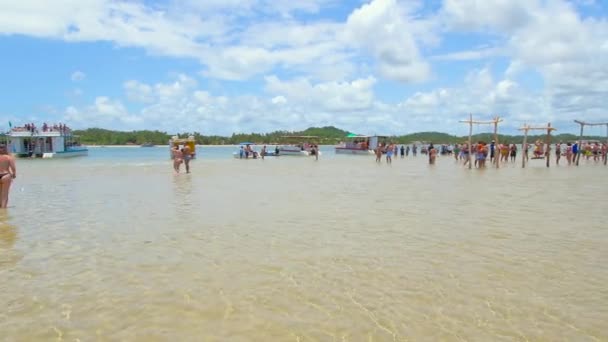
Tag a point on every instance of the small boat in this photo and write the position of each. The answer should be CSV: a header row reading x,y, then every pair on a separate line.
x,y
148,144
303,145
359,144
51,142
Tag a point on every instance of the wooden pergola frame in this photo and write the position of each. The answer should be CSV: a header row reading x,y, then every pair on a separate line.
x,y
527,128
580,139
494,122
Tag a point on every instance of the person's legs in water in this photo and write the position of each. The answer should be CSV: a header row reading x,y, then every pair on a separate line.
x,y
5,185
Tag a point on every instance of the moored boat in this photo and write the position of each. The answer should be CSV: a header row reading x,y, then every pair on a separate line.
x,y
48,142
359,144
303,145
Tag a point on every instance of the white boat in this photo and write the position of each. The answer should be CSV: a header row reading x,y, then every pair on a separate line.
x,y
303,147
51,142
359,144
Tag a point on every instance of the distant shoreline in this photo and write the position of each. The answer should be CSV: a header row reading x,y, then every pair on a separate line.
x,y
138,146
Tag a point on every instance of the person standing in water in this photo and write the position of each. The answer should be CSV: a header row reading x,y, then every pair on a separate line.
x,y
187,155
402,151
8,172
432,154
177,159
379,153
389,154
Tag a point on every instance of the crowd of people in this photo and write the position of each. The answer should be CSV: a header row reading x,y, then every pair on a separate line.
x,y
503,153
31,127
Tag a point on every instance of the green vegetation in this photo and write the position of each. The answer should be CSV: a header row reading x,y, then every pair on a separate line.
x,y
326,135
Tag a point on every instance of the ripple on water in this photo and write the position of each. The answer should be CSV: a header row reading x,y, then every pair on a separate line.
x,y
292,249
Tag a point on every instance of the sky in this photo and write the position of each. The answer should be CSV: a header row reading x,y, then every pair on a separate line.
x,y
369,67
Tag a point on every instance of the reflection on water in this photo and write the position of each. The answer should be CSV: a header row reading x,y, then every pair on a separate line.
x,y
8,232
292,249
8,236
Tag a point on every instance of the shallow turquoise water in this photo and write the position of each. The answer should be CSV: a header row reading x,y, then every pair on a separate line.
x,y
113,246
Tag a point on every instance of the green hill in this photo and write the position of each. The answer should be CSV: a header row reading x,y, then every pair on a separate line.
x,y
326,135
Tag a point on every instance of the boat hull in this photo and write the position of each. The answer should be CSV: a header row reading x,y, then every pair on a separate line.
x,y
294,152
287,152
47,155
67,154
355,151
237,155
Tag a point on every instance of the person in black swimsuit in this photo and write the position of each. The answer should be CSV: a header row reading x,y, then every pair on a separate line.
x,y
8,172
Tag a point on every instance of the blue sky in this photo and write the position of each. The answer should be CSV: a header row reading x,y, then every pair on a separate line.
x,y
381,66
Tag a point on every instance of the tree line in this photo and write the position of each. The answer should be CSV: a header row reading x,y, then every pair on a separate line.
x,y
325,136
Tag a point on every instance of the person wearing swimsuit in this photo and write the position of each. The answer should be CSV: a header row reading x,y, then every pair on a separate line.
x,y
177,159
513,152
389,154
432,154
187,155
8,172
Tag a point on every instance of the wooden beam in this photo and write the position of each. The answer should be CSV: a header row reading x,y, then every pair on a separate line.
x,y
470,138
481,122
540,128
580,143
548,149
523,147
496,160
590,123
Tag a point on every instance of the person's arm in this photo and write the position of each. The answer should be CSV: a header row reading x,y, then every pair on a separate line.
x,y
12,168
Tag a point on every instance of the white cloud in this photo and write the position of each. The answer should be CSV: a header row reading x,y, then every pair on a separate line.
x,y
78,76
325,70
480,95
549,37
278,100
328,96
505,15
181,106
475,54
238,39
384,28
290,105
138,92
141,92
103,112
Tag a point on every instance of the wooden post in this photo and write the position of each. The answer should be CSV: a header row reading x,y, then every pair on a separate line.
x,y
548,149
523,147
496,142
580,142
470,140
580,139
471,122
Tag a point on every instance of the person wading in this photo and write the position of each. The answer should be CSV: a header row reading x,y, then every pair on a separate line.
x,y
8,172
